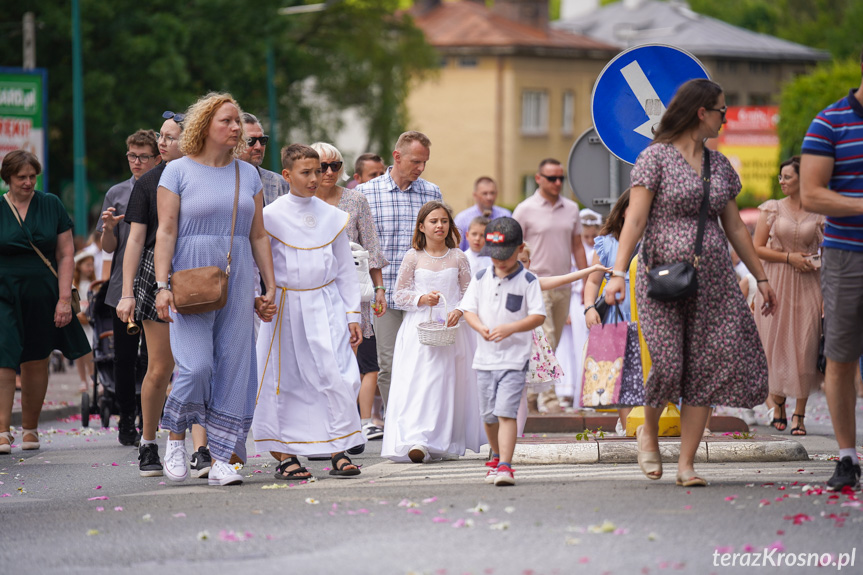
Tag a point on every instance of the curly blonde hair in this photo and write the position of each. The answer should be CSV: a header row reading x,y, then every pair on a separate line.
x,y
197,123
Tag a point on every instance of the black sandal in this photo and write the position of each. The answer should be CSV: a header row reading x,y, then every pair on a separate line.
x,y
779,421
294,475
340,471
799,431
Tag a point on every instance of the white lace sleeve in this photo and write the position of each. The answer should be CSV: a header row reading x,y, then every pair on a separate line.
x,y
464,274
406,296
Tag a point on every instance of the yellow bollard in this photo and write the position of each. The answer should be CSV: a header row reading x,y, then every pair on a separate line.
x,y
669,421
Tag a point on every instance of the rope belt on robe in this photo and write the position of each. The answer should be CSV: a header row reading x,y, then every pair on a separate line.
x,y
277,333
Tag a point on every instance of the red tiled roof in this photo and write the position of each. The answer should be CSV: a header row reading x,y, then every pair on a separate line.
x,y
471,24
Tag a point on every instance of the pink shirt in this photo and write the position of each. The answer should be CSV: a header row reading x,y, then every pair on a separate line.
x,y
550,229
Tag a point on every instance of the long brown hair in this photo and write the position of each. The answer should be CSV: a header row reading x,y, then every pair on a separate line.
x,y
453,238
682,113
614,224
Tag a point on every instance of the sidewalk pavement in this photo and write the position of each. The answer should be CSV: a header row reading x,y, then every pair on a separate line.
x,y
544,443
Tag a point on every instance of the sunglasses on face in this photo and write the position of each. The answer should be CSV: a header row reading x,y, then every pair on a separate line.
x,y
262,139
169,115
722,111
334,166
554,179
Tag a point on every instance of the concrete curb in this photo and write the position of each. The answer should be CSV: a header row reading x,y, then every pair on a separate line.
x,y
608,451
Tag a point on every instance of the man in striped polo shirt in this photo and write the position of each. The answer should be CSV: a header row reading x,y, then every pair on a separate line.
x,y
831,183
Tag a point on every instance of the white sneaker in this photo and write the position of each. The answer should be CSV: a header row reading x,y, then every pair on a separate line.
x,y
618,429
491,476
176,468
222,473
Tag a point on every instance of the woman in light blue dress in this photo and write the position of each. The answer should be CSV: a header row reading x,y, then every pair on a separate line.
x,y
214,351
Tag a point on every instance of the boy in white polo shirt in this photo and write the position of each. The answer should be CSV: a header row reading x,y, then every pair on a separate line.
x,y
504,305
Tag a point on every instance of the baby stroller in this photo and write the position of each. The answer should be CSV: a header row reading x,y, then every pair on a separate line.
x,y
103,401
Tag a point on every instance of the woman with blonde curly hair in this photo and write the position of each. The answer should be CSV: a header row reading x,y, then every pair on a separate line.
x,y
214,350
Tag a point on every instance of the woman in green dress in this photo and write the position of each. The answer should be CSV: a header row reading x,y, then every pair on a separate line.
x,y
35,306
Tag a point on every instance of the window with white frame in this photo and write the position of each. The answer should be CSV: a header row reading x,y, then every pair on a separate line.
x,y
568,116
534,113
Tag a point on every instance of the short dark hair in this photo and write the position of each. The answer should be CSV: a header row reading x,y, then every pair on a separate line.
x,y
482,179
250,118
144,138
479,221
548,161
294,152
792,161
17,159
363,158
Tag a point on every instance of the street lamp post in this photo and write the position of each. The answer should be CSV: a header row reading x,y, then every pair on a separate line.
x,y
78,142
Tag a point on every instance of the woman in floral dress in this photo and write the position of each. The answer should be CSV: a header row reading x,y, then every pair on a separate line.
x,y
705,348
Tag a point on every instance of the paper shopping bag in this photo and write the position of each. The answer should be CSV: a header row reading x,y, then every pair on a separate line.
x,y
603,364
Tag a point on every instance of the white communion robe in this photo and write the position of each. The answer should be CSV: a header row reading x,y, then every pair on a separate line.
x,y
309,380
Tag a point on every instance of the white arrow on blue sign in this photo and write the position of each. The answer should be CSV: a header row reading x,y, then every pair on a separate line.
x,y
631,93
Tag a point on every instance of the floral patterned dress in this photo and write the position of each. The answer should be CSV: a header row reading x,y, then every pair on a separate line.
x,y
361,230
543,369
705,349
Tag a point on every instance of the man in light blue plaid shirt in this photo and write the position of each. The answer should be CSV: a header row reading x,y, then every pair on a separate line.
x,y
395,199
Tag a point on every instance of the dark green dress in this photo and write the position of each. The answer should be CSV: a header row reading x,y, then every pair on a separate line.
x,y
28,290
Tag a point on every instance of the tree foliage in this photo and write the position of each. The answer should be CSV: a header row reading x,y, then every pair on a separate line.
x,y
832,25
805,96
141,58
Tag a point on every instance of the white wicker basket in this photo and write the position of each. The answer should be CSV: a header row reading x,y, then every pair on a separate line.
x,y
434,333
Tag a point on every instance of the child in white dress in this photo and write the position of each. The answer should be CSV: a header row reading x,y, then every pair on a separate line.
x,y
433,408
309,380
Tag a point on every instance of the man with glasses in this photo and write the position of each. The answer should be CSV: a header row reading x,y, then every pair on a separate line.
x,y
274,184
551,225
142,153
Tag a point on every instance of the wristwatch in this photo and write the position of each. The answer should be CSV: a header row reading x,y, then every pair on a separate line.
x,y
162,285
618,274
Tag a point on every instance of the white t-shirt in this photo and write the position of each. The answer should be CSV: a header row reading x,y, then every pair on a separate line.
x,y
499,301
476,261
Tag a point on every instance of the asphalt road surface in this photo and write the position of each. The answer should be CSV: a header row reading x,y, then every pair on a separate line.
x,y
78,505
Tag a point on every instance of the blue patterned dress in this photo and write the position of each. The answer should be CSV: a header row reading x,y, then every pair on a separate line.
x,y
214,351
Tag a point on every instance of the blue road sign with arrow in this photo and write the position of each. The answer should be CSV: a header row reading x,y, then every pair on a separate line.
x,y
631,94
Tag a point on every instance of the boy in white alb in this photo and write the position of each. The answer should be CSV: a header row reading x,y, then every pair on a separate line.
x,y
309,380
504,305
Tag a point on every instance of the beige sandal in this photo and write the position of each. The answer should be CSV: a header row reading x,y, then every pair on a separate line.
x,y
650,462
6,447
691,480
29,445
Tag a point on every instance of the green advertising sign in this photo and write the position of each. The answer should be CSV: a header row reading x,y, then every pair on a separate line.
x,y
23,124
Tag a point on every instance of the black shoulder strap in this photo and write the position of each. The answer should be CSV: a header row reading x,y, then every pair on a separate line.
x,y
702,216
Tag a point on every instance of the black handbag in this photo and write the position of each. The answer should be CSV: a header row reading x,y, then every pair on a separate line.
x,y
679,280
600,304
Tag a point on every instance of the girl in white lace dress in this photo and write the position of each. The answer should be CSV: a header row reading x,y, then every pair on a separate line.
x,y
433,408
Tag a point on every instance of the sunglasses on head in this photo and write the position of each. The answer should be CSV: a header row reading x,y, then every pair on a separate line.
x,y
262,139
334,166
169,115
553,179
